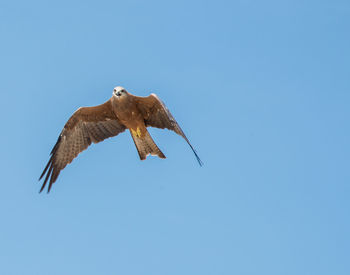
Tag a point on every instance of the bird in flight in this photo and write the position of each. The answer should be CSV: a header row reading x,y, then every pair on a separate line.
x,y
94,124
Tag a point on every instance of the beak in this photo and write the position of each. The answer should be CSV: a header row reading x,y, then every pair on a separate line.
x,y
119,93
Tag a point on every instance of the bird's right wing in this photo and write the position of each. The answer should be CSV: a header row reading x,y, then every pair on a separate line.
x,y
156,114
86,125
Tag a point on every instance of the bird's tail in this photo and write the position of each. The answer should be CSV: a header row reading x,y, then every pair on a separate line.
x,y
145,145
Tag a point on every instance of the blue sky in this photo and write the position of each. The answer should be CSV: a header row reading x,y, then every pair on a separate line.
x,y
261,88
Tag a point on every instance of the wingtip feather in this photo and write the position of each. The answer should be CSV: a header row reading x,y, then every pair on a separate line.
x,y
198,159
200,162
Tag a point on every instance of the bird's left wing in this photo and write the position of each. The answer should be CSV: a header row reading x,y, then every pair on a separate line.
x,y
86,125
156,114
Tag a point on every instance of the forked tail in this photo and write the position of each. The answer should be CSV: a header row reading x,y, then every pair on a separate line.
x,y
145,145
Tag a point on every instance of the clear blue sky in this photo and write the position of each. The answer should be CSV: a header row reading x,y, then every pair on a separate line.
x,y
262,90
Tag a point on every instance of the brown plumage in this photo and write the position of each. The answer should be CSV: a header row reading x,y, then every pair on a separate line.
x,y
94,124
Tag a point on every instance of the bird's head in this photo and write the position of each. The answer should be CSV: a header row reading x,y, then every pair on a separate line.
x,y
119,92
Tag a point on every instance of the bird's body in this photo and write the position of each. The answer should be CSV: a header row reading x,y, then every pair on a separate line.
x,y
126,109
94,124
129,115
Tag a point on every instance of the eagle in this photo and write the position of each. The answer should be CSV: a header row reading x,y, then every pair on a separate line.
x,y
94,124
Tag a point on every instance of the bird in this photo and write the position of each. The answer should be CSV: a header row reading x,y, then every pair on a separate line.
x,y
94,124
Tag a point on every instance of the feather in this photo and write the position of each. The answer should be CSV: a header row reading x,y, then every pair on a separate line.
x,y
86,125
156,114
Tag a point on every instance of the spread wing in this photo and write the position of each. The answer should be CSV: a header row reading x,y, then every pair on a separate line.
x,y
86,125
156,114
